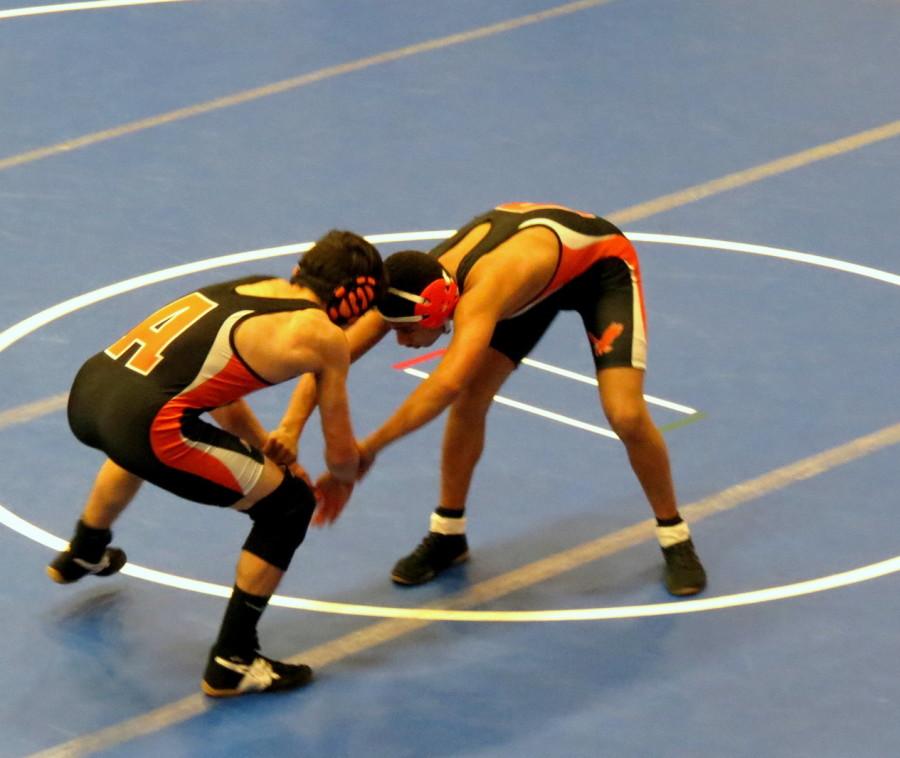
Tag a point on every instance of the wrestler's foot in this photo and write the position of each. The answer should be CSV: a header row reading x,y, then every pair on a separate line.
x,y
230,676
684,572
436,553
67,567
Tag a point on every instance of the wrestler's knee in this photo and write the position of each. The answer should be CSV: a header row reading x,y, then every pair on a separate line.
x,y
280,521
630,421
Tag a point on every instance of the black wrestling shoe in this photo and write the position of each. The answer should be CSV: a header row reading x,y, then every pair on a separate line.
x,y
434,554
232,676
684,572
67,567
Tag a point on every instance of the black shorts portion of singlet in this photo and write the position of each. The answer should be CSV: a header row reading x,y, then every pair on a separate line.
x,y
604,295
109,409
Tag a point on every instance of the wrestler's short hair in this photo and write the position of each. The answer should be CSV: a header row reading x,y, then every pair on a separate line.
x,y
338,265
419,290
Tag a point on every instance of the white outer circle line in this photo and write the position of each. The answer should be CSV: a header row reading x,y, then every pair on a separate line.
x,y
772,252
29,530
796,589
46,316
88,5
31,324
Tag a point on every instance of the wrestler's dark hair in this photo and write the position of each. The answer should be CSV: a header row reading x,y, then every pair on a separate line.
x,y
346,273
410,271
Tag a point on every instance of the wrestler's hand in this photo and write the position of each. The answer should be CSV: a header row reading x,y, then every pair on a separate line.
x,y
281,447
333,496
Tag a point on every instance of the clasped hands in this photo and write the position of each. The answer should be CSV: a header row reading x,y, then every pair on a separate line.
x,y
331,493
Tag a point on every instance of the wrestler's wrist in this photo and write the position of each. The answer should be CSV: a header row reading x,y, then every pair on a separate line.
x,y
371,446
290,429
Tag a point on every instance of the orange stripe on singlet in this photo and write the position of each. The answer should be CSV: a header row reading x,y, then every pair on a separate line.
x,y
578,252
173,449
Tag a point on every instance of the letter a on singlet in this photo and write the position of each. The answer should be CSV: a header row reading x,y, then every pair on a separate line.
x,y
156,332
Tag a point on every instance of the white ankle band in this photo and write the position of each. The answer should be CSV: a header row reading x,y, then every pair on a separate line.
x,y
672,535
444,525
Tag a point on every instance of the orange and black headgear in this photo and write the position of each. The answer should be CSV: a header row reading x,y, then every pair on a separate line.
x,y
420,291
346,273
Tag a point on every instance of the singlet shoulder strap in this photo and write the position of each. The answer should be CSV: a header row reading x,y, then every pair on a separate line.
x,y
226,292
506,221
502,226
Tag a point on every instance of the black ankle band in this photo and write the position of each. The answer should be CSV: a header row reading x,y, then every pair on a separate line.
x,y
669,521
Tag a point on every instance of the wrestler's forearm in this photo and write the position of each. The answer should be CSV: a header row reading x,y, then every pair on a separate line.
x,y
300,407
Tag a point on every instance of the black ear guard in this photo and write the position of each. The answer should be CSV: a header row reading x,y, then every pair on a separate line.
x,y
345,301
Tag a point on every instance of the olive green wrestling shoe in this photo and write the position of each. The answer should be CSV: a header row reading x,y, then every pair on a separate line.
x,y
435,553
684,574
